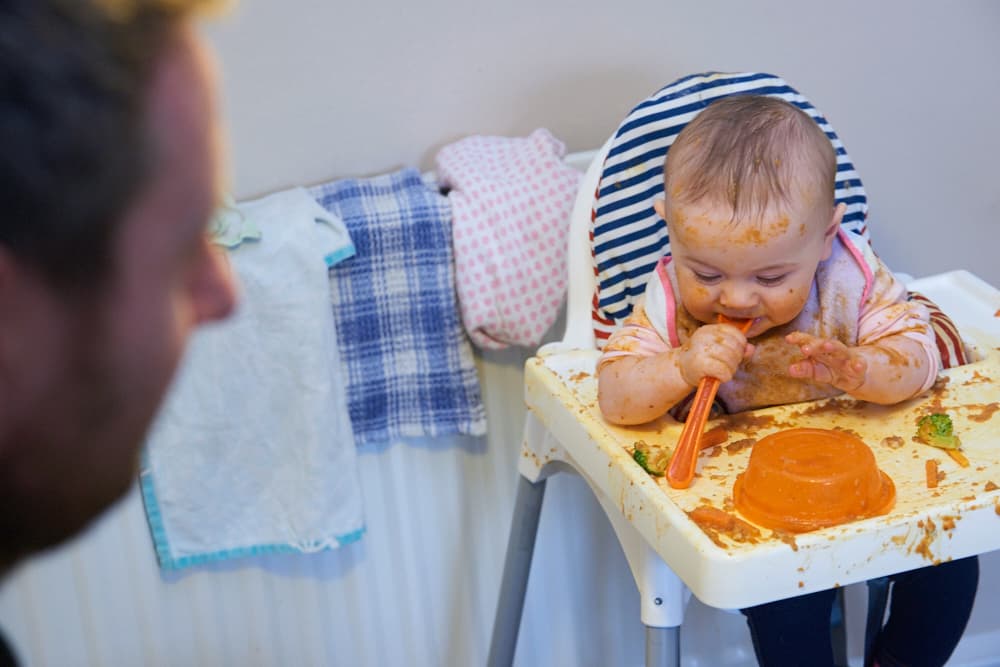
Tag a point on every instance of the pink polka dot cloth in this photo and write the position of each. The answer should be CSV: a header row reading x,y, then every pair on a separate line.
x,y
511,200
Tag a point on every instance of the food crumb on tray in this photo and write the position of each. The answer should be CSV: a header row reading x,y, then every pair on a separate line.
x,y
933,474
715,522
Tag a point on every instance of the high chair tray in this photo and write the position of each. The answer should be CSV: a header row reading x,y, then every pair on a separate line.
x,y
724,568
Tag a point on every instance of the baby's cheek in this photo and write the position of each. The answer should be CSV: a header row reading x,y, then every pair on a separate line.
x,y
800,298
796,298
789,303
696,298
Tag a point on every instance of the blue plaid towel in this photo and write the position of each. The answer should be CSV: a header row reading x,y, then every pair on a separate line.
x,y
407,360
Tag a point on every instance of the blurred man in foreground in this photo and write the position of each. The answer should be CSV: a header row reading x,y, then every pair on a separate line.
x,y
109,173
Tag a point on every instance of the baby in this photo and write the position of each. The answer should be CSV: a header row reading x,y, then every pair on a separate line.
x,y
755,235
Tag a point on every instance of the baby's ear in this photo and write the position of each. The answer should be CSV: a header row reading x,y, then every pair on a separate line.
x,y
830,233
660,206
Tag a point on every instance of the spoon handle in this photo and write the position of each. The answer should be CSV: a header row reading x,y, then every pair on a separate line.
x,y
683,461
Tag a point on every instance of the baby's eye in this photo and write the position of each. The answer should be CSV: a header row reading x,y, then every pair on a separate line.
x,y
706,278
771,281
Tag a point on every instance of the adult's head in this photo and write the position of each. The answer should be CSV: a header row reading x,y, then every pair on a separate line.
x,y
109,174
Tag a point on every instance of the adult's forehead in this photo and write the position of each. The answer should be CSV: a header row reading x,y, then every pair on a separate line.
x,y
181,97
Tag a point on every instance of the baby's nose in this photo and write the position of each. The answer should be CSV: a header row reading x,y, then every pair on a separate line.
x,y
737,296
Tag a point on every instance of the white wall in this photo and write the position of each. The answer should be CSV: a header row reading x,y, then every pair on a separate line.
x,y
318,89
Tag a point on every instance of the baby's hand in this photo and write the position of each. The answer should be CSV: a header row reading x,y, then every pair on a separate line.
x,y
827,360
715,350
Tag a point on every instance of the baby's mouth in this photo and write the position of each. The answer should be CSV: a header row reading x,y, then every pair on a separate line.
x,y
741,322
738,317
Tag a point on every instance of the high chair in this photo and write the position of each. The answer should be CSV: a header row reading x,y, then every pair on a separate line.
x,y
565,432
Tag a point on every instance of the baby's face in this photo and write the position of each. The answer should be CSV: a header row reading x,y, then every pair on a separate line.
x,y
759,269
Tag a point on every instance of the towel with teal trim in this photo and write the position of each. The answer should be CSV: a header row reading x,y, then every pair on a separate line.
x,y
253,451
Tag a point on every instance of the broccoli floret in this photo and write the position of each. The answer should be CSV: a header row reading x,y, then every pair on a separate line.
x,y
936,430
655,463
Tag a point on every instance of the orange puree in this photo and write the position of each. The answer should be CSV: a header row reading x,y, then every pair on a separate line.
x,y
802,479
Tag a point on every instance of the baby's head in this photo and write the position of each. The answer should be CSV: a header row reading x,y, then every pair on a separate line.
x,y
749,205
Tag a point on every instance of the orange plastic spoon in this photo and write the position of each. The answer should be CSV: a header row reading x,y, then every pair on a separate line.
x,y
683,461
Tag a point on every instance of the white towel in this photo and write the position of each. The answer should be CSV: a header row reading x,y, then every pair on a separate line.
x,y
253,450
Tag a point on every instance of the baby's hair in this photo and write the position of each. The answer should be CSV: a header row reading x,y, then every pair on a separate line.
x,y
748,152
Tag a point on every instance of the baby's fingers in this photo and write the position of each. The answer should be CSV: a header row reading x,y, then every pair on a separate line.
x,y
832,364
811,345
720,363
830,353
849,373
799,338
802,339
814,370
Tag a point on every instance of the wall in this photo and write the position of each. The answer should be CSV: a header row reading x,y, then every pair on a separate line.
x,y
317,90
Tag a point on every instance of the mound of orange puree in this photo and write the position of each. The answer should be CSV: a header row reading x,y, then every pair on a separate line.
x,y
802,479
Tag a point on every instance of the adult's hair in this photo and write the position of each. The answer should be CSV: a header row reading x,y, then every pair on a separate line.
x,y
749,152
74,145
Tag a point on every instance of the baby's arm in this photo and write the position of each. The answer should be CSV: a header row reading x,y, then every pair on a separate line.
x,y
896,357
635,388
891,370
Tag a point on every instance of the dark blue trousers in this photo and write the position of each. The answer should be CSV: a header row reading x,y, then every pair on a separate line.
x,y
928,610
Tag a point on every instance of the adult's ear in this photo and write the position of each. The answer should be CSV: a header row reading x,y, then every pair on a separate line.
x,y
830,233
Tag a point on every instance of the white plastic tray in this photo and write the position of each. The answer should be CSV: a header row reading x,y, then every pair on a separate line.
x,y
957,519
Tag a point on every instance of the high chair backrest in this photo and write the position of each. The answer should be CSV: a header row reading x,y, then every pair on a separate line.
x,y
625,235
582,281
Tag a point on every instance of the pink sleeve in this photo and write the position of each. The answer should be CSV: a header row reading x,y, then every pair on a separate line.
x,y
635,338
886,312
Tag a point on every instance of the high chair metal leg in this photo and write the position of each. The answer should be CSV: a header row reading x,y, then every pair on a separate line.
x,y
662,599
663,648
517,565
662,595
